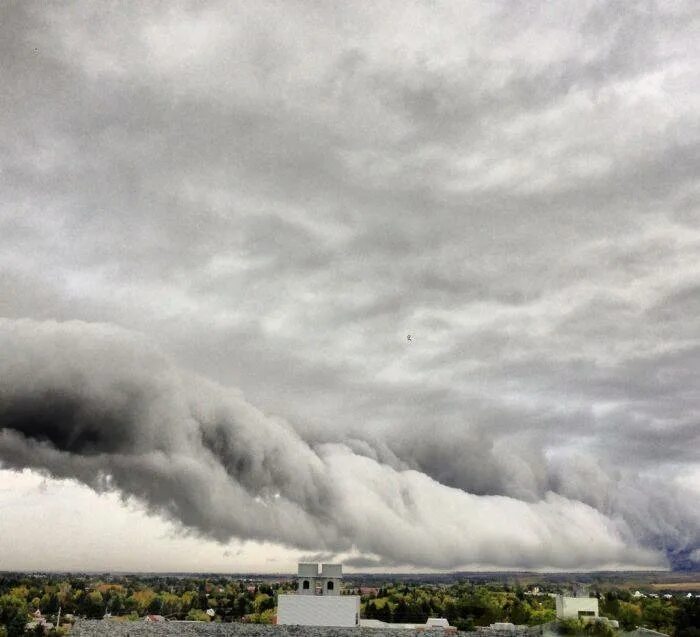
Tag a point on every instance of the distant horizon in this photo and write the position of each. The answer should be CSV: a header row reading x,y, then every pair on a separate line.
x,y
407,574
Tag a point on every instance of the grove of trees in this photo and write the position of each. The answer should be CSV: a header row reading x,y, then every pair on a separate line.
x,y
465,604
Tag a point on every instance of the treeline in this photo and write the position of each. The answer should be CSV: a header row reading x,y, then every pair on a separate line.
x,y
133,597
678,616
466,605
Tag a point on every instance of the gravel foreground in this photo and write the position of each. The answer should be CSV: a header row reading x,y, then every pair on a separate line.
x,y
110,628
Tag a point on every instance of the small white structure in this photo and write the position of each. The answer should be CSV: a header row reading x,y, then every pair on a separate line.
x,y
434,624
437,622
576,607
502,629
318,601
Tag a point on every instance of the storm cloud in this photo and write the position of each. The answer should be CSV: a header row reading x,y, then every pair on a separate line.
x,y
203,203
93,403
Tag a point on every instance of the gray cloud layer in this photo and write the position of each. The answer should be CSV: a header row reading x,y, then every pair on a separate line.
x,y
93,403
276,195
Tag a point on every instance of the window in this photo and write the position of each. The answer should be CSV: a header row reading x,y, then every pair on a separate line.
x,y
330,586
305,585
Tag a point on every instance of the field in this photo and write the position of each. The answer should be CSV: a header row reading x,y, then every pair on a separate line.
x,y
677,586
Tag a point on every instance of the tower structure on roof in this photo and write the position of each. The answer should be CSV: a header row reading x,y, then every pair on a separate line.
x,y
318,600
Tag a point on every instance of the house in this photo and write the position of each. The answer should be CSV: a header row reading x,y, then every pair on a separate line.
x,y
576,607
318,601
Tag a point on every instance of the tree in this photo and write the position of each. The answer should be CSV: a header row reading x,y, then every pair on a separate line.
x,y
16,626
196,615
610,604
49,603
401,612
520,613
187,601
10,606
116,605
570,627
657,614
262,603
156,606
599,629
242,605
542,616
383,613
687,623
93,605
629,616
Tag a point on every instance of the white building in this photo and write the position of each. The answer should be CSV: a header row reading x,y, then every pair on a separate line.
x,y
318,601
576,607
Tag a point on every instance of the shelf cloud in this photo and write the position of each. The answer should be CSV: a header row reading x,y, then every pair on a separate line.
x,y
97,404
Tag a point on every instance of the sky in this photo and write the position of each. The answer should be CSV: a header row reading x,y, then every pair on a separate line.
x,y
220,222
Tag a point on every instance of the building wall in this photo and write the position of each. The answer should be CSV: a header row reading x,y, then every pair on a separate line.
x,y
332,570
336,585
307,569
311,590
308,572
318,610
568,607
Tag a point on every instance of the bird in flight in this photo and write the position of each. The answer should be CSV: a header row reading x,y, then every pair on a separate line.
x,y
409,338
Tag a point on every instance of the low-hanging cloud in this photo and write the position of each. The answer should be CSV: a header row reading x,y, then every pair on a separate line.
x,y
100,405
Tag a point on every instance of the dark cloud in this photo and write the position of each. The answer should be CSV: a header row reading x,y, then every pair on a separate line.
x,y
93,403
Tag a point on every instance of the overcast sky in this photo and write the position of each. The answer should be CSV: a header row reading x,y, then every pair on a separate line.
x,y
219,223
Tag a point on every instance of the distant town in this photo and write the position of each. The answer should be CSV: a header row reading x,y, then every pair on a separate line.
x,y
321,595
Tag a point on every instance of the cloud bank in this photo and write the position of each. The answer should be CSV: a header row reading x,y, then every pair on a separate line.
x,y
97,404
